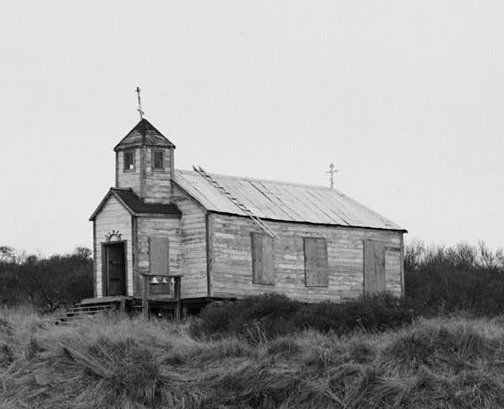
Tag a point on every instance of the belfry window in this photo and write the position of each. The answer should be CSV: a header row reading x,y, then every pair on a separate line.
x,y
157,159
129,160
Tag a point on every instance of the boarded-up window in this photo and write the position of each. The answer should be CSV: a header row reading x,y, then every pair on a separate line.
x,y
262,259
374,266
316,269
158,255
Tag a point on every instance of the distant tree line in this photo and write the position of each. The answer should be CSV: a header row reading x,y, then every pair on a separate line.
x,y
45,282
441,279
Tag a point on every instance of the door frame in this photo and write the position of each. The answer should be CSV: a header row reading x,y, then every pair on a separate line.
x,y
104,262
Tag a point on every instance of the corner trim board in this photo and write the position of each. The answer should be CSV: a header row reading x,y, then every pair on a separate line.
x,y
208,255
95,267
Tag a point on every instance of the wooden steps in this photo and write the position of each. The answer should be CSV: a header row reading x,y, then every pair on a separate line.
x,y
80,312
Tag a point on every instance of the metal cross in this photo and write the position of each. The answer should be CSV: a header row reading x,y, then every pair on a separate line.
x,y
332,171
139,103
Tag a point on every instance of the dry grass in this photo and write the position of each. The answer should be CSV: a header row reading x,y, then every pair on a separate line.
x,y
129,363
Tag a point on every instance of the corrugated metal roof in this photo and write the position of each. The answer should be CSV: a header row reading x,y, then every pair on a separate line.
x,y
281,201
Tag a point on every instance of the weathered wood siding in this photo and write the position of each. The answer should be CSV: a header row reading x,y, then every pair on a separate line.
x,y
168,228
231,267
128,179
158,181
193,245
113,216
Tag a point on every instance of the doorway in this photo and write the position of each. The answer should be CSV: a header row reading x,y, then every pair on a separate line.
x,y
114,268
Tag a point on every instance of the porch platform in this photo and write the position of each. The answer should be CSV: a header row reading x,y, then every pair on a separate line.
x,y
117,299
160,305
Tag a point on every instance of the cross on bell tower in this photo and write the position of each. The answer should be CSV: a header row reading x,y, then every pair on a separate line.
x,y
139,103
332,171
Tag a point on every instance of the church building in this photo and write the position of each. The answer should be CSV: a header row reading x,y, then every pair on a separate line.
x,y
220,237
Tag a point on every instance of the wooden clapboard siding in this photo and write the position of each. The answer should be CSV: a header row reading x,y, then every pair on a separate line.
x,y
158,182
193,245
113,216
126,179
231,266
166,228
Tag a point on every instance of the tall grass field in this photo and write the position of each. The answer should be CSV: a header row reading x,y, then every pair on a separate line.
x,y
118,362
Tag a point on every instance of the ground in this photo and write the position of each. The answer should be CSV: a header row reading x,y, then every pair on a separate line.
x,y
116,362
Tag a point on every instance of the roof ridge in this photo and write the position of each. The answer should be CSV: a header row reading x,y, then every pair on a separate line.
x,y
265,180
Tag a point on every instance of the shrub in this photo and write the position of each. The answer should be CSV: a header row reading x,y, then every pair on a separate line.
x,y
438,347
450,279
374,313
267,317
46,283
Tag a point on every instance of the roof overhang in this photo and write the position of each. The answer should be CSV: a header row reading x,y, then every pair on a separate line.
x,y
138,209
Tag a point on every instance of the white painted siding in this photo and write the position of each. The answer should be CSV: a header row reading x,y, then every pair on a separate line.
x,y
113,216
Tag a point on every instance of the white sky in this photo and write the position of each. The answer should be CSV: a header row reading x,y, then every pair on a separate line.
x,y
406,97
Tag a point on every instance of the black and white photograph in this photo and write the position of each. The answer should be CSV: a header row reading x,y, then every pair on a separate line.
x,y
252,204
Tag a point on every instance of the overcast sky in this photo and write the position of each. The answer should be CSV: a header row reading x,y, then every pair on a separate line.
x,y
405,97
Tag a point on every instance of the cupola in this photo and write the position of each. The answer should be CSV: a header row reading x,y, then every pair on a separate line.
x,y
144,163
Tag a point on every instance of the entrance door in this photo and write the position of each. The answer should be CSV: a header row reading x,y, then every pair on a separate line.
x,y
374,266
115,269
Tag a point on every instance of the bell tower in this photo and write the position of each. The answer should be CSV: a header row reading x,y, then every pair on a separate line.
x,y
145,163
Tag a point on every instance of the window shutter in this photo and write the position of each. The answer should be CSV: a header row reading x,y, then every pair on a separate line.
x,y
158,254
316,268
262,259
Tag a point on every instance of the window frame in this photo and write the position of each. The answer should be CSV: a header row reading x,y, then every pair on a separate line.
x,y
133,158
153,160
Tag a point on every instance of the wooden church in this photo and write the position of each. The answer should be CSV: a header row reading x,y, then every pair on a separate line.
x,y
166,234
